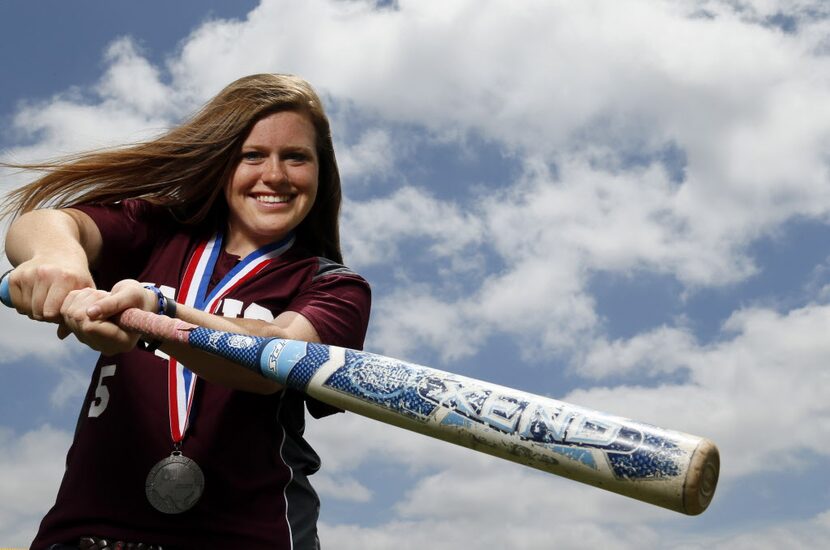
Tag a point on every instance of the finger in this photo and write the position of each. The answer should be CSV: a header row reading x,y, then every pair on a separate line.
x,y
106,337
108,306
42,289
119,345
69,313
74,307
99,334
55,296
124,295
19,293
36,299
60,285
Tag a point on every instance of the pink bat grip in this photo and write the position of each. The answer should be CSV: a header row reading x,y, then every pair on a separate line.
x,y
157,327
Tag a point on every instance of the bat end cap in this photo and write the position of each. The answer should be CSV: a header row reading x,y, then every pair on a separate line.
x,y
702,478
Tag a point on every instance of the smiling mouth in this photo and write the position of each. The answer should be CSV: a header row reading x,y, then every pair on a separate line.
x,y
273,199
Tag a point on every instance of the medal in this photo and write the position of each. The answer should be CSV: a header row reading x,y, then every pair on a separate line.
x,y
175,484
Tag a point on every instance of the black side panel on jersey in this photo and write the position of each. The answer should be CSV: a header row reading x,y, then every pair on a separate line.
x,y
303,504
327,267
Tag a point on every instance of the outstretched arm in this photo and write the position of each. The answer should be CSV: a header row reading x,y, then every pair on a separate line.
x,y
52,251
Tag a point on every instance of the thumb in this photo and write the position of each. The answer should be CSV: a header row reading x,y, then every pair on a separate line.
x,y
105,307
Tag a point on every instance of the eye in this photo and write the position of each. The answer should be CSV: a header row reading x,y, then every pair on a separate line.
x,y
298,157
251,156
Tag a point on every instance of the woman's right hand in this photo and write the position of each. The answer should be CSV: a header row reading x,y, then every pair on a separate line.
x,y
52,250
39,287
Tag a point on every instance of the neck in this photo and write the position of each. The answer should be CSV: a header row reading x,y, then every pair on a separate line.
x,y
236,244
239,249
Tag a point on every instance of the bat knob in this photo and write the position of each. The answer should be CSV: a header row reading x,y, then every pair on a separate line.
x,y
5,292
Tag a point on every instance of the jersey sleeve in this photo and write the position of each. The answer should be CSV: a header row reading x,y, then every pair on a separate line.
x,y
337,303
129,231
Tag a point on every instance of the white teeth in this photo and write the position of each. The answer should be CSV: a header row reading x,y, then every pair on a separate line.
x,y
273,199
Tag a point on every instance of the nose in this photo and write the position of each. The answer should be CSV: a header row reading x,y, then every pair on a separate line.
x,y
272,170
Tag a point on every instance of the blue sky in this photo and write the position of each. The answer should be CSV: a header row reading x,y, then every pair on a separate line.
x,y
623,205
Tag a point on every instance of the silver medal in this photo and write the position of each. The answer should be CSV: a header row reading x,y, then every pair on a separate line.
x,y
174,484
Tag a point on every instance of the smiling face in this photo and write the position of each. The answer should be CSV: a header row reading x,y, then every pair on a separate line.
x,y
274,184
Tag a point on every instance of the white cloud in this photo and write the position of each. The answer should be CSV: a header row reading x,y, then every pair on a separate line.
x,y
72,383
22,337
761,394
128,104
372,155
341,488
443,535
408,319
487,503
31,467
511,530
132,82
378,227
662,350
811,533
348,441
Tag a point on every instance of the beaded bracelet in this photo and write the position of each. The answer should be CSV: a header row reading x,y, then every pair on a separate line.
x,y
165,307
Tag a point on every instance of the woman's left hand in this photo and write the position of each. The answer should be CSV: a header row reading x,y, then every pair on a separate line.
x,y
87,313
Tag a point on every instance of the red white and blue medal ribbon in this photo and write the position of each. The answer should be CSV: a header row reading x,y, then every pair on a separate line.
x,y
194,293
176,483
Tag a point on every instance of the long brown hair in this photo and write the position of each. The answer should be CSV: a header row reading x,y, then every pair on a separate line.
x,y
186,168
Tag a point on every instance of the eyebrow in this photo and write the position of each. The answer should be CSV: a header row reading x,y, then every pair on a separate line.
x,y
288,147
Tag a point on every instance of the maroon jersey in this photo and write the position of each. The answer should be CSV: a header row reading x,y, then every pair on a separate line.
x,y
250,447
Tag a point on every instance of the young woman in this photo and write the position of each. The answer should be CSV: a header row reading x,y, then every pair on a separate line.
x,y
229,221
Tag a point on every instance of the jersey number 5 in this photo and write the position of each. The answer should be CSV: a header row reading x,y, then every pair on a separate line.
x,y
102,394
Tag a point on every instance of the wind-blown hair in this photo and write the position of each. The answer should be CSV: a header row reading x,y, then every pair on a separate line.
x,y
186,168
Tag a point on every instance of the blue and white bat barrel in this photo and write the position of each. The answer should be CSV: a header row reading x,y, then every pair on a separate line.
x,y
663,467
